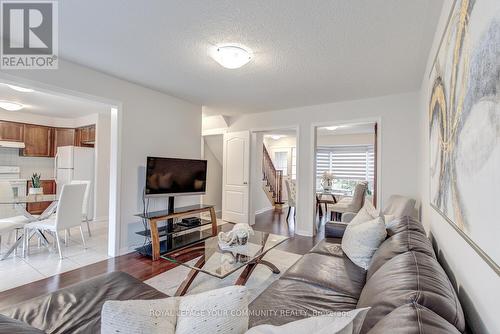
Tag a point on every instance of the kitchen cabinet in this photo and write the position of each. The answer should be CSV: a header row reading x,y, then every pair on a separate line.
x,y
49,188
85,136
63,137
10,131
43,141
38,141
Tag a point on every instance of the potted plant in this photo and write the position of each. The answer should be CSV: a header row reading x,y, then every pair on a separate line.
x,y
327,181
36,185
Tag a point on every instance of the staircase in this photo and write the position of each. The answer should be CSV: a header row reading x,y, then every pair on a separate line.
x,y
272,180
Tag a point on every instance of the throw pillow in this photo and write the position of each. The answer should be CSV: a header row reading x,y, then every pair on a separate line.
x,y
218,311
139,316
335,323
367,212
361,240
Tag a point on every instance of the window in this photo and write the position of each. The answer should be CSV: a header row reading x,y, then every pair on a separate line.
x,y
281,161
294,163
349,165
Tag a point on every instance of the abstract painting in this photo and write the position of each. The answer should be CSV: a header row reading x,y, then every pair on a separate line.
x,y
464,125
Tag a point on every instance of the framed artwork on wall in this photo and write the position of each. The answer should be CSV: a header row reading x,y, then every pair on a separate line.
x,y
464,126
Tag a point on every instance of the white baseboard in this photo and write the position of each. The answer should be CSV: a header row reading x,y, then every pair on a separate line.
x,y
263,210
127,250
303,233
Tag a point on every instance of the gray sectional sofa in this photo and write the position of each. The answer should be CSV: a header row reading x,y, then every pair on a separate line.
x,y
405,286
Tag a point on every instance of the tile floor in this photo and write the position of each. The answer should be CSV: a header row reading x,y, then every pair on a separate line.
x,y
43,262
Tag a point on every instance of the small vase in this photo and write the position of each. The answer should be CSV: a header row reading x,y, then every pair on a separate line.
x,y
326,185
35,191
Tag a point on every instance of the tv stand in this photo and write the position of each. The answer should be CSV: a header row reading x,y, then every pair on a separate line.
x,y
172,242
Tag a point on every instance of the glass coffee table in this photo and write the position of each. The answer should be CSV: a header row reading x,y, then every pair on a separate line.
x,y
221,263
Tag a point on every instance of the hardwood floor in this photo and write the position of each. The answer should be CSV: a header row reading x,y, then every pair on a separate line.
x,y
143,268
274,221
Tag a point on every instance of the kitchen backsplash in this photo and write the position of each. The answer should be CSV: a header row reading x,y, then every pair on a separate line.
x,y
28,165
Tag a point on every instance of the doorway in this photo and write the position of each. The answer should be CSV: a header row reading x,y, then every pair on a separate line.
x,y
64,139
213,152
274,180
345,156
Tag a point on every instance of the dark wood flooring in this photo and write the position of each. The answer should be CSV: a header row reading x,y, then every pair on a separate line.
x,y
273,221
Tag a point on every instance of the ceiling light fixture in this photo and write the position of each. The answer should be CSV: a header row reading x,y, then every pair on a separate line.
x,y
10,106
276,137
20,89
231,56
332,128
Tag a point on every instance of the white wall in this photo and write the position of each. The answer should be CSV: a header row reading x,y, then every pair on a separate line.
x,y
347,139
152,123
214,170
23,117
477,284
103,153
397,115
27,165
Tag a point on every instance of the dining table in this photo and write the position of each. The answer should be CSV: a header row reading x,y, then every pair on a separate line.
x,y
335,195
20,204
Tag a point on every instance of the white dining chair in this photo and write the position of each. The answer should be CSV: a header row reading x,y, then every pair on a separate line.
x,y
10,220
86,199
68,215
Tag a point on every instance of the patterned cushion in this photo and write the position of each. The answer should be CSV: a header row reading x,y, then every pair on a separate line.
x,y
218,311
139,316
362,239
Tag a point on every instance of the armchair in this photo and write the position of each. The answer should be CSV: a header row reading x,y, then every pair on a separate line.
x,y
351,204
291,194
397,206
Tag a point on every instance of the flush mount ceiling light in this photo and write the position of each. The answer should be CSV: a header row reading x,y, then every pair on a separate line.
x,y
332,128
231,56
20,89
276,137
10,106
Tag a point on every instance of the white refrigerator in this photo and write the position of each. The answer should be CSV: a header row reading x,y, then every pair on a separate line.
x,y
76,163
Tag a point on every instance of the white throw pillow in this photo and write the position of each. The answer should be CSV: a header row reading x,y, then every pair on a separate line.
x,y
222,311
139,316
335,323
366,213
361,240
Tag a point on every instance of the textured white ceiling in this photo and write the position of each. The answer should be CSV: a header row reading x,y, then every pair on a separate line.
x,y
52,105
306,52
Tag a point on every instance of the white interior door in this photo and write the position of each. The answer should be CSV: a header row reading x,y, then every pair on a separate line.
x,y
235,175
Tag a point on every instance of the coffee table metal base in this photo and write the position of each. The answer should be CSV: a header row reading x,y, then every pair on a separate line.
x,y
242,279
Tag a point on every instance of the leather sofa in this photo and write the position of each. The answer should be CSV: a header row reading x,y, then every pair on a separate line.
x,y
405,286
75,309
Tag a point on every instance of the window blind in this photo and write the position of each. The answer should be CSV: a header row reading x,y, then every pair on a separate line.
x,y
346,162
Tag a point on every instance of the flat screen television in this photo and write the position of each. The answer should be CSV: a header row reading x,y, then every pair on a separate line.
x,y
175,177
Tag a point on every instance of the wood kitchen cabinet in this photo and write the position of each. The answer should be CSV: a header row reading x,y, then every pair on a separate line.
x,y
38,141
10,131
63,137
43,141
49,188
85,136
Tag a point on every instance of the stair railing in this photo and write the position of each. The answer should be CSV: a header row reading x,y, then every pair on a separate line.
x,y
272,176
